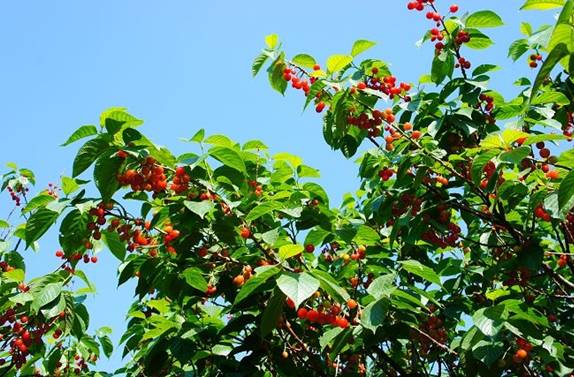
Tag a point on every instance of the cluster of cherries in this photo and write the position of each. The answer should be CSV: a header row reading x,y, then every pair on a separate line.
x,y
541,213
148,177
257,188
181,180
405,203
21,333
568,127
384,84
17,192
320,316
439,238
534,59
53,190
245,275
520,277
563,260
433,327
524,348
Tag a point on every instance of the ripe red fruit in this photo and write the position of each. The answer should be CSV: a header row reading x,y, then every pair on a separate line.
x,y
545,153
302,313
342,322
320,106
533,64
553,174
416,135
238,280
59,253
361,85
245,233
351,304
122,154
521,354
309,248
316,67
453,8
94,259
312,315
180,171
24,319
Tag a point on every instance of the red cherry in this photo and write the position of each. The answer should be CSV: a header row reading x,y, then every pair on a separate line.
x,y
320,106
309,248
316,67
245,233
453,8
302,313
180,171
94,259
59,253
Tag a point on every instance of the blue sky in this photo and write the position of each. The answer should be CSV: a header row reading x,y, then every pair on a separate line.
x,y
184,65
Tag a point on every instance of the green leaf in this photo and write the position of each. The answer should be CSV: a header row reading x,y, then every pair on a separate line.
x,y
330,285
258,63
518,48
69,185
419,269
478,40
551,97
105,175
271,41
542,4
199,208
46,295
275,75
81,133
288,251
442,66
17,275
488,352
335,63
297,286
198,137
526,29
221,140
107,345
272,312
88,153
484,68
489,320
361,46
516,155
261,276
38,201
115,244
482,19
228,157
329,336
116,119
383,286
366,236
195,279
39,223
263,209
566,193
304,60
374,315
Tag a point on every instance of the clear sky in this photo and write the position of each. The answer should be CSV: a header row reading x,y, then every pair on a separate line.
x,y
182,65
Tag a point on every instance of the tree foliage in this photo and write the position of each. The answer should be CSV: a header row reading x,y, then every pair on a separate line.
x,y
453,258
